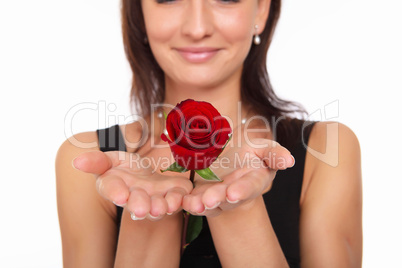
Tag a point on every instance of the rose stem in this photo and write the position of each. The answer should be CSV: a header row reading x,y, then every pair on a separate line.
x,y
184,235
192,174
186,218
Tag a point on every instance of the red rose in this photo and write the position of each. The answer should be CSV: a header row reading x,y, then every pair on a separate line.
x,y
197,132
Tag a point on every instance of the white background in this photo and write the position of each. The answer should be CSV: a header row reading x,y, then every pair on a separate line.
x,y
55,55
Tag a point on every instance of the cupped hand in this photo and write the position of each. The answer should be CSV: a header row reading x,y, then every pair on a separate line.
x,y
143,191
247,172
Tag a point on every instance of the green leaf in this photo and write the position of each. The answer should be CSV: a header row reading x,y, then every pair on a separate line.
x,y
223,148
175,168
208,174
194,228
230,137
165,115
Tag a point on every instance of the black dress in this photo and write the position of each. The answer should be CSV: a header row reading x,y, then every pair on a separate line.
x,y
282,202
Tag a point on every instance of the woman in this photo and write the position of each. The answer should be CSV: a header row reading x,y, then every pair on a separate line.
x,y
214,51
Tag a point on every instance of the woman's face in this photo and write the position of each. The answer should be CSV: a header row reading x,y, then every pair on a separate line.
x,y
202,42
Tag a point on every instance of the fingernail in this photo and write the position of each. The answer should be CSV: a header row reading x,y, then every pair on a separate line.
x,y
153,217
232,202
135,218
200,213
213,207
170,213
120,205
294,161
72,163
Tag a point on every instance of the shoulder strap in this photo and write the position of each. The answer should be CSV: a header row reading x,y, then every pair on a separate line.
x,y
111,139
307,128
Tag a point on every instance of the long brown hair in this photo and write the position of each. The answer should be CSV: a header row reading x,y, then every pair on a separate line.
x,y
148,83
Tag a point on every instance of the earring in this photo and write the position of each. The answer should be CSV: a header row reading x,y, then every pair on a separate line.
x,y
257,39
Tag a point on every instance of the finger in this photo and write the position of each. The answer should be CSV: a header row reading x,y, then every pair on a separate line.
x,y
210,212
274,155
139,204
214,196
172,183
113,188
158,207
174,199
249,186
193,204
97,162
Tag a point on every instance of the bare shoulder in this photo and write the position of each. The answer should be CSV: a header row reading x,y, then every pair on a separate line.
x,y
324,130
78,143
331,205
70,149
332,147
88,141
69,177
332,142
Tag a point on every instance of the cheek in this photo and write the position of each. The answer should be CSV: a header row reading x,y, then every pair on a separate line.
x,y
237,29
236,25
160,27
159,22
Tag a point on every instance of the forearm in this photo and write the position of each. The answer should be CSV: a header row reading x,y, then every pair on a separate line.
x,y
244,237
150,244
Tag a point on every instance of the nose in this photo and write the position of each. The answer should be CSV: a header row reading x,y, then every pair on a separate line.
x,y
198,19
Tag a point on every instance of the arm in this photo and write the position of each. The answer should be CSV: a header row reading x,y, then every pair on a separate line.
x,y
87,221
241,229
147,243
244,237
331,210
333,239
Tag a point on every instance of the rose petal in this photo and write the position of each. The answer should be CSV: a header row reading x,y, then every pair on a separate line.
x,y
197,132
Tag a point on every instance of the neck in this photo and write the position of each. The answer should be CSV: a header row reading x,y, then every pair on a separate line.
x,y
226,99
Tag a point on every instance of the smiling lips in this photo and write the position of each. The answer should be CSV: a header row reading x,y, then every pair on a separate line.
x,y
197,54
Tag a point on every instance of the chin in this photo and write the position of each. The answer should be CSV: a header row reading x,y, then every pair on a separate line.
x,y
198,80
198,84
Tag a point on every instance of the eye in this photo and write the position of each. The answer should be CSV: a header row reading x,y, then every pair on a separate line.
x,y
223,1
229,1
164,1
